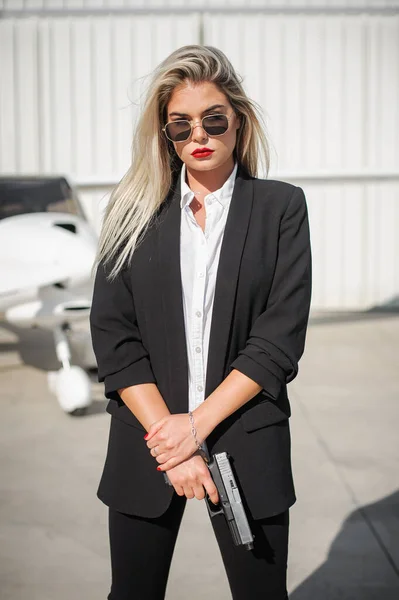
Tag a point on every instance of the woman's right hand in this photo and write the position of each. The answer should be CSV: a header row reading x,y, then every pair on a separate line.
x,y
190,477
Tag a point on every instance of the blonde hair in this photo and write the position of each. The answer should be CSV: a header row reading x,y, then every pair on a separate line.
x,y
136,199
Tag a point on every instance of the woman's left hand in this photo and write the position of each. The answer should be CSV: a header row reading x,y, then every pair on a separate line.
x,y
173,441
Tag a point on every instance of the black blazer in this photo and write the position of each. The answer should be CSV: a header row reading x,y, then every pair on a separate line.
x,y
259,322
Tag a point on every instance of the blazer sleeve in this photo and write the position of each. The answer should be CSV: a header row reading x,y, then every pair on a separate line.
x,y
277,337
122,359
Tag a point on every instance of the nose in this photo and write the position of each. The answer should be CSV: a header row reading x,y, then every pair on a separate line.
x,y
199,133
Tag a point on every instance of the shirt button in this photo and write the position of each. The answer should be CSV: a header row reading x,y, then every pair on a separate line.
x,y
199,388
200,274
198,349
198,313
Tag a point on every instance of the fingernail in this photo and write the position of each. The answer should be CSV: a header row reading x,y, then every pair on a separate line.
x,y
146,436
158,468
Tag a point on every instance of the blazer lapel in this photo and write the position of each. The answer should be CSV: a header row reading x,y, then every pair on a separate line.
x,y
170,290
234,237
226,284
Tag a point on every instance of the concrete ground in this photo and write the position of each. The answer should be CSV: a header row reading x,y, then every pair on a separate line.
x,y
344,540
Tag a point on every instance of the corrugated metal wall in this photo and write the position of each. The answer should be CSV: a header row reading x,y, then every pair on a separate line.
x,y
73,90
195,4
328,81
330,87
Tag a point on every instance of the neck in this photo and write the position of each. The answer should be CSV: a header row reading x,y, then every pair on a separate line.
x,y
210,181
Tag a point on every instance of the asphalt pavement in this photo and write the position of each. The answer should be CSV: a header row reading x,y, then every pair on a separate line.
x,y
344,541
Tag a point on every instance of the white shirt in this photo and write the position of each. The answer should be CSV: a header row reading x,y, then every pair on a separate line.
x,y
199,260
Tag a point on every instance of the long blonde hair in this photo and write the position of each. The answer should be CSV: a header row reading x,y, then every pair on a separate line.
x,y
136,199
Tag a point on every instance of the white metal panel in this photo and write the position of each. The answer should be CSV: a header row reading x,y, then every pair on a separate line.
x,y
354,244
34,4
62,127
198,4
26,95
291,114
94,202
329,85
45,99
83,97
316,78
7,98
13,4
19,95
124,66
383,227
103,92
314,102
389,92
73,88
327,104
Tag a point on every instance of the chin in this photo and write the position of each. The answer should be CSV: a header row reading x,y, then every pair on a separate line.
x,y
206,164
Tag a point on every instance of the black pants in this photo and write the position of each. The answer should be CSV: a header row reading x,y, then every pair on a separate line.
x,y
142,549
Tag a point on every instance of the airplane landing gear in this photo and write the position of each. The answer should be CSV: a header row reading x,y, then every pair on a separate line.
x,y
71,384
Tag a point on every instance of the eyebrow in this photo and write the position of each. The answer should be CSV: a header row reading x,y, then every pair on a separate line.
x,y
210,109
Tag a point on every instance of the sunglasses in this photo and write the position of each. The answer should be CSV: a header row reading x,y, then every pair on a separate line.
x,y
181,130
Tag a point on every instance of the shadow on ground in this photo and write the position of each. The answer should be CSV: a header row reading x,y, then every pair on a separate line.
x,y
35,348
361,563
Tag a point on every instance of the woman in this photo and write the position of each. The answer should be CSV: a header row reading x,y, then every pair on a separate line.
x,y
202,291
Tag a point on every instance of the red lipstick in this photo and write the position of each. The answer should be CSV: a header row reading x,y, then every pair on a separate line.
x,y
201,152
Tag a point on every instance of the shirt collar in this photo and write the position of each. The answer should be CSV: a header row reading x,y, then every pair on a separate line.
x,y
223,194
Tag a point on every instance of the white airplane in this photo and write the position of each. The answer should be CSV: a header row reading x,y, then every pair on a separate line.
x,y
47,249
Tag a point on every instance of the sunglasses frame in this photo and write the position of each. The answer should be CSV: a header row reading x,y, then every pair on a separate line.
x,y
193,124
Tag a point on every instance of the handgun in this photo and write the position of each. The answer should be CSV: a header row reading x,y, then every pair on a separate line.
x,y
230,503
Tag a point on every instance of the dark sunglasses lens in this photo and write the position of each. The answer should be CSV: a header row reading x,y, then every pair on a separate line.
x,y
215,124
178,131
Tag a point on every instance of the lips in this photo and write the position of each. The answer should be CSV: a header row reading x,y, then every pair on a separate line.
x,y
201,152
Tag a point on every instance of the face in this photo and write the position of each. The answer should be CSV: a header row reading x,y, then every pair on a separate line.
x,y
193,102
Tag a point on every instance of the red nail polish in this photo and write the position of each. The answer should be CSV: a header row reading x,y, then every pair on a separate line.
x,y
158,468
146,436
